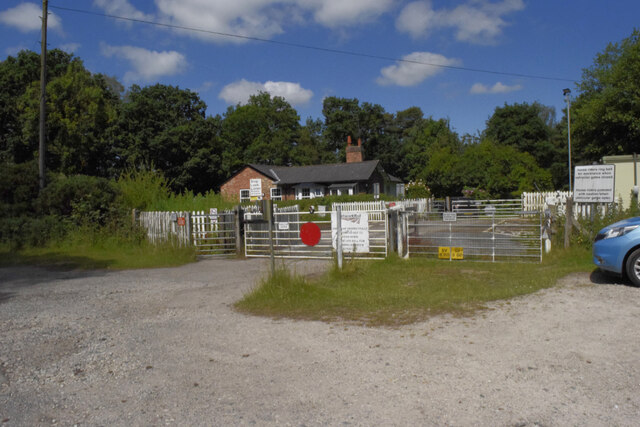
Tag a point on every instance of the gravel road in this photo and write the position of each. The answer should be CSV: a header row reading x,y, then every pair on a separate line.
x,y
165,347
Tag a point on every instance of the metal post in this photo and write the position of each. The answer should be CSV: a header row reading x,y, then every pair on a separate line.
x,y
399,230
43,95
238,229
269,215
567,95
339,236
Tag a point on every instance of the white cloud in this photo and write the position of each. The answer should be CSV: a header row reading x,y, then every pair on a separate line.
x,y
418,67
26,17
480,89
477,21
121,8
70,47
240,91
250,18
335,13
147,64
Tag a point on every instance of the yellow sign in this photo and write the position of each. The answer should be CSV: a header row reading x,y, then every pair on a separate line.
x,y
443,252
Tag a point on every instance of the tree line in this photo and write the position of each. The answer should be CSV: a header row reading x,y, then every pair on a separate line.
x,y
97,128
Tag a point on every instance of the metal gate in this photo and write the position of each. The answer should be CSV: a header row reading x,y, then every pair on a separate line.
x,y
489,236
365,239
213,234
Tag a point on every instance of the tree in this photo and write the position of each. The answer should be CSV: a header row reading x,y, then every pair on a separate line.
x,y
500,171
422,141
80,108
527,127
310,147
606,114
164,127
16,76
262,131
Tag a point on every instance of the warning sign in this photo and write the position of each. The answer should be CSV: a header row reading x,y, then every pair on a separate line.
x,y
444,252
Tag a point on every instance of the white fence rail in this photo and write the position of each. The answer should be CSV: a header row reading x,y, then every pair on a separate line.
x,y
210,234
541,201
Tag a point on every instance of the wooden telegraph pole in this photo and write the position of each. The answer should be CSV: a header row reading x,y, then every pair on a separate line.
x,y
43,94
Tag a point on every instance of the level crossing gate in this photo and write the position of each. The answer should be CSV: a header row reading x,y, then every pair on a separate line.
x,y
364,234
486,236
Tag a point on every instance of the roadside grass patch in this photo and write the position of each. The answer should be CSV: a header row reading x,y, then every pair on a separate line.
x,y
395,291
87,249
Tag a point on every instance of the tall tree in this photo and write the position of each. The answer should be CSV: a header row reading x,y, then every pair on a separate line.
x,y
80,108
262,131
164,127
423,140
606,114
17,74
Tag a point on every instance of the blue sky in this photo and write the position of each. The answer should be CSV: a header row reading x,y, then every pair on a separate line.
x,y
554,39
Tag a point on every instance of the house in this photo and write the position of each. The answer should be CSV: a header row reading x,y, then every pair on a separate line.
x,y
627,176
356,176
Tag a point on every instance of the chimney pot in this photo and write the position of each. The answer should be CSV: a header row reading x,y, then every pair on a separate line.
x,y
348,140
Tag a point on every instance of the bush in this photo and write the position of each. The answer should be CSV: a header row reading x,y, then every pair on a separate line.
x,y
80,198
18,189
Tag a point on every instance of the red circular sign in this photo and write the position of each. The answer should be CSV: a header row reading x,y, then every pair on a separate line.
x,y
310,234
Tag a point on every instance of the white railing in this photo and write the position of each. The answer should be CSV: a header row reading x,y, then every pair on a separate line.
x,y
541,201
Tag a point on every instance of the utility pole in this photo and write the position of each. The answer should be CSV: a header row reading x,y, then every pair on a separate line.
x,y
567,97
43,94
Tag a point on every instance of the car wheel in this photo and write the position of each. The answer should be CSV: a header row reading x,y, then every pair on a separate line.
x,y
633,267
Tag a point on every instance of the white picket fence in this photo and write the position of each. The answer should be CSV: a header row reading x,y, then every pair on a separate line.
x,y
541,201
161,226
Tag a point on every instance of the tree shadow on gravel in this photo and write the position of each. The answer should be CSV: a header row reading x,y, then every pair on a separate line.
x,y
599,277
27,271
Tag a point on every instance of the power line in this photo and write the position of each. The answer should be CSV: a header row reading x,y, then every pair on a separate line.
x,y
310,47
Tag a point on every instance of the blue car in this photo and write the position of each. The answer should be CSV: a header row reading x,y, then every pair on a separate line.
x,y
616,249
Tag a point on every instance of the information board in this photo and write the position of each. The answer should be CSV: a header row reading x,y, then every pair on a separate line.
x,y
355,231
594,184
255,188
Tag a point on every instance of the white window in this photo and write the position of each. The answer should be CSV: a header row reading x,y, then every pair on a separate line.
x,y
244,196
376,190
276,194
305,193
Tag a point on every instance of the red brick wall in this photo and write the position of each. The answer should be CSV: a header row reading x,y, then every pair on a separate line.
x,y
231,189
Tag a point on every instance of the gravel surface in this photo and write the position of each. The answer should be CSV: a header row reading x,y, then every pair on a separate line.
x,y
164,346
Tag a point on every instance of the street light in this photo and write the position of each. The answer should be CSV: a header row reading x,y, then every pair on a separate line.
x,y
567,97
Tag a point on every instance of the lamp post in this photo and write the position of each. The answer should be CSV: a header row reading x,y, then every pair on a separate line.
x,y
567,98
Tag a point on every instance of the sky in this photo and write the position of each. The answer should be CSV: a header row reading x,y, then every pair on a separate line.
x,y
457,60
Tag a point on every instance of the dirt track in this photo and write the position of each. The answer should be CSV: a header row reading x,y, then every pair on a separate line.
x,y
164,347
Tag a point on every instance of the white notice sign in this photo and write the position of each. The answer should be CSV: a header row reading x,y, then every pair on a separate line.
x,y
255,188
594,184
355,231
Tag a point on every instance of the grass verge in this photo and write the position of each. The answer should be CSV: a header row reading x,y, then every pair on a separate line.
x,y
104,254
395,291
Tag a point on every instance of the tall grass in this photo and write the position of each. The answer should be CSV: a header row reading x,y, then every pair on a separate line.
x,y
396,291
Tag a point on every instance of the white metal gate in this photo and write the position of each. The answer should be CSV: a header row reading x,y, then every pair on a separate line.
x,y
213,233
288,244
480,236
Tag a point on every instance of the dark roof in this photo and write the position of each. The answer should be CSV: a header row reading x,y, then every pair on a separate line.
x,y
337,172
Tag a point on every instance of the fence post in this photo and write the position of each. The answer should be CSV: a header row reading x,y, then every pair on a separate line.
x,y
339,236
269,214
134,216
568,221
238,227
399,232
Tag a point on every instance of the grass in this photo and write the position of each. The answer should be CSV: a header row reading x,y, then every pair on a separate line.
x,y
395,291
98,252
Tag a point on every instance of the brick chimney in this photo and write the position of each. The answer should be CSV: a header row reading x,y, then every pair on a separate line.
x,y
354,153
